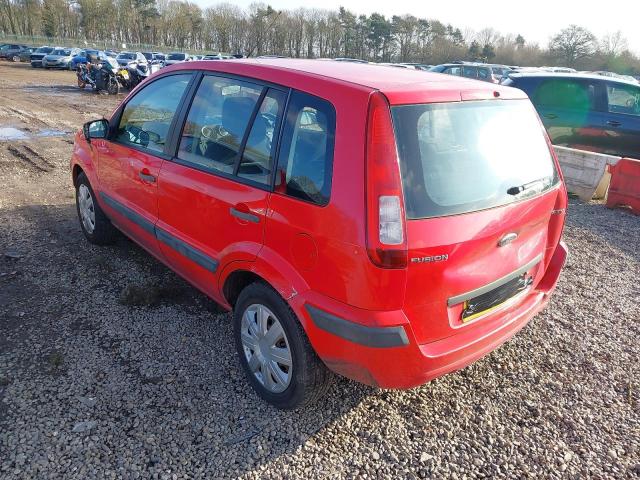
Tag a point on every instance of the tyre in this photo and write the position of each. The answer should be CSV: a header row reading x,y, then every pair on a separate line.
x,y
274,351
113,87
81,83
16,58
94,223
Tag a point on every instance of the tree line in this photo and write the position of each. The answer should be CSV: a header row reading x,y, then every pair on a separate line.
x,y
303,32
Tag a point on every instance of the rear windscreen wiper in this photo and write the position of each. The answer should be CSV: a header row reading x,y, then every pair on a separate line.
x,y
527,186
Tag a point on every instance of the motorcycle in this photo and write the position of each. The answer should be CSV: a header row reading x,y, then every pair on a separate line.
x,y
101,76
133,74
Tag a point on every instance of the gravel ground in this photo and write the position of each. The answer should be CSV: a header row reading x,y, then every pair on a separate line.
x,y
98,381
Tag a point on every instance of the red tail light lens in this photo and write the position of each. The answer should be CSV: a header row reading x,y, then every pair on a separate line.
x,y
386,236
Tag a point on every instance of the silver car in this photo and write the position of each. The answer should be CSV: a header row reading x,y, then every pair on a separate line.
x,y
60,58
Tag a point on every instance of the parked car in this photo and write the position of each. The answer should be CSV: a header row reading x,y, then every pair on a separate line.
x,y
12,51
176,57
111,53
477,71
154,57
125,58
374,223
81,57
418,66
60,58
39,54
588,112
25,55
558,69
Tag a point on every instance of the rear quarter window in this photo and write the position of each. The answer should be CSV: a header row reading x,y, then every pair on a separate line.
x,y
305,161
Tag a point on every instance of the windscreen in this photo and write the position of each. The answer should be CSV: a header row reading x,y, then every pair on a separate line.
x,y
176,56
466,156
127,56
61,52
44,50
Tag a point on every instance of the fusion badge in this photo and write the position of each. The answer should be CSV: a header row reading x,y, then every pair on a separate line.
x,y
433,258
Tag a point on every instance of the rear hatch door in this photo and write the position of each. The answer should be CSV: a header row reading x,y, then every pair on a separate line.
x,y
480,184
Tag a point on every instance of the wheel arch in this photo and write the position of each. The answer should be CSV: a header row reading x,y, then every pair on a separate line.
x,y
269,268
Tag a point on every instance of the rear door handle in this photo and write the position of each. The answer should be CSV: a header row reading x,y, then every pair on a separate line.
x,y
249,217
550,116
614,123
146,176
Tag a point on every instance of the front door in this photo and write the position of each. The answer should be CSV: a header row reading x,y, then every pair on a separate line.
x,y
213,196
622,123
130,158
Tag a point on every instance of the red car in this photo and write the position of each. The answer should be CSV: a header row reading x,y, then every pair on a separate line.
x,y
387,224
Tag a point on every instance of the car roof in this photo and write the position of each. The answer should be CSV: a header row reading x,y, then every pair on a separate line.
x,y
589,76
400,85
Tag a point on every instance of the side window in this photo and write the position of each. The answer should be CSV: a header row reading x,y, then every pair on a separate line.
x,y
305,160
257,157
623,99
218,118
570,94
146,118
483,73
471,72
453,71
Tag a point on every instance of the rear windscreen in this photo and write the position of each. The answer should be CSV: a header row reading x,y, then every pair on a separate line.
x,y
467,156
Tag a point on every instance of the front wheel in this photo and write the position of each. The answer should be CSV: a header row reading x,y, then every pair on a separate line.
x,y
16,58
274,351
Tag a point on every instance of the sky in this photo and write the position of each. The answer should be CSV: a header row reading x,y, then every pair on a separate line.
x,y
537,21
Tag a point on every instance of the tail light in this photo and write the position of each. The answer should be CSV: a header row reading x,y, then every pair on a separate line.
x,y
386,237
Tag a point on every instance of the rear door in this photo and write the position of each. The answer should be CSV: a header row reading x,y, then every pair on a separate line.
x,y
622,124
130,158
480,185
213,195
572,111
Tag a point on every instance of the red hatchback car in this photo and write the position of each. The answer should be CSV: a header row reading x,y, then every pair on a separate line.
x,y
391,225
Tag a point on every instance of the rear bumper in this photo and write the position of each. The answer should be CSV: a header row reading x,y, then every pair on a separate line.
x,y
380,349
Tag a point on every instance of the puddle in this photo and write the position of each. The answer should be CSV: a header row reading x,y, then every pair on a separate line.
x,y
11,133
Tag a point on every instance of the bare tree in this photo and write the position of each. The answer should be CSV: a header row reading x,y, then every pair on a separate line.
x,y
572,44
613,44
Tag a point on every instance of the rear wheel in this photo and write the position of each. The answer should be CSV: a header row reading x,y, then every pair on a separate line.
x,y
95,225
274,351
16,58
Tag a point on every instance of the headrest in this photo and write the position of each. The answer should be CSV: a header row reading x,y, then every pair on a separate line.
x,y
236,112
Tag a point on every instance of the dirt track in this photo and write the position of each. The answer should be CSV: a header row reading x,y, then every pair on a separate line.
x,y
98,382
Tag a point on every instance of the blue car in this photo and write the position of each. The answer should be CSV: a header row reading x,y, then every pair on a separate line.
x,y
82,57
588,112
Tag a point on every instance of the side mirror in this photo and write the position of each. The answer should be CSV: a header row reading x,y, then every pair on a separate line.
x,y
144,138
95,129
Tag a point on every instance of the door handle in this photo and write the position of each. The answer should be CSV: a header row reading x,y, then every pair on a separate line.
x,y
550,116
145,176
249,217
614,123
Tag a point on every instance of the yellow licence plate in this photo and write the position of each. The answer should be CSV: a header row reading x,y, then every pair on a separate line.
x,y
124,73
